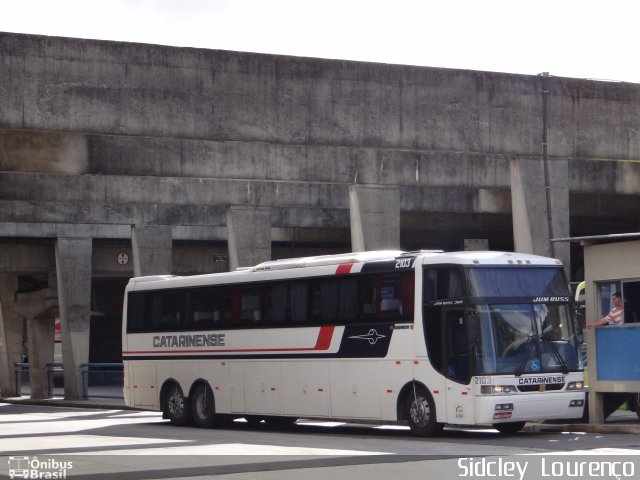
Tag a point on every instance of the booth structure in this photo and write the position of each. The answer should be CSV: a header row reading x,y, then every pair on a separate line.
x,y
611,264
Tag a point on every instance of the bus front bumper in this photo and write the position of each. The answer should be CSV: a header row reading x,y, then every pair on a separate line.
x,y
529,407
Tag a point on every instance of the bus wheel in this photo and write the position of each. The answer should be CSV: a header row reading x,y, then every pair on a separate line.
x,y
177,407
509,428
203,406
420,412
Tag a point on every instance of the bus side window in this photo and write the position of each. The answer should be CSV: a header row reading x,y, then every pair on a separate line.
x,y
171,314
371,298
348,300
442,283
397,296
299,297
251,307
236,305
136,312
206,306
277,302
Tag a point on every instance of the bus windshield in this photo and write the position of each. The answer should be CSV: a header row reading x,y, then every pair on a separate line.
x,y
509,282
524,338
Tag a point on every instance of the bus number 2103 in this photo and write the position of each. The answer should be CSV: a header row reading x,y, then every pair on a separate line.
x,y
403,263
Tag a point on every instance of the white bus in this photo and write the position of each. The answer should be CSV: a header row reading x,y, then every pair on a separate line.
x,y
420,338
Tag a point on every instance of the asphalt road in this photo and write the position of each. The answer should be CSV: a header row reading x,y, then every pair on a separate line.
x,y
140,445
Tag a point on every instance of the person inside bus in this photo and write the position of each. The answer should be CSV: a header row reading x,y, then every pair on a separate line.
x,y
614,317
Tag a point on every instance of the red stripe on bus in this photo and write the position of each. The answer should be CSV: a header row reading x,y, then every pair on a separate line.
x,y
323,343
344,268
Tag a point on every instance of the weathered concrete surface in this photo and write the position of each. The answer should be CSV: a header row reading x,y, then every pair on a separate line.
x,y
151,246
11,334
40,340
375,218
157,91
73,267
249,234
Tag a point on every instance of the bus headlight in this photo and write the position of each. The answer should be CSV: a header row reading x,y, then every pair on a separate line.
x,y
496,389
575,385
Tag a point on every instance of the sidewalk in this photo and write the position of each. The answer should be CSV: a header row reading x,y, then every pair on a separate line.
x,y
621,421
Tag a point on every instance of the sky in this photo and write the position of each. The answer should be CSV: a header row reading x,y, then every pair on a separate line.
x,y
567,38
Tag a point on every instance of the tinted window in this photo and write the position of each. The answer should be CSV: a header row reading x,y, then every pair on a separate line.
x,y
517,281
379,297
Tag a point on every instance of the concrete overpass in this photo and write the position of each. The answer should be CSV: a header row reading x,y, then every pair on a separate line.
x,y
189,160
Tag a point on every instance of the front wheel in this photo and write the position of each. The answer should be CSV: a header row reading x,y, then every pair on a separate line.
x,y
177,406
203,406
509,428
420,412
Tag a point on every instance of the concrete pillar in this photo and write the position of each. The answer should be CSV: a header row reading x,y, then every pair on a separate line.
x,y
11,335
248,235
152,250
73,267
540,207
40,339
375,217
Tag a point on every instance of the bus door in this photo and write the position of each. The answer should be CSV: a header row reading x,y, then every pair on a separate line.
x,y
457,365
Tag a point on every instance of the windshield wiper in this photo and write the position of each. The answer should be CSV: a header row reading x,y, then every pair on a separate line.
x,y
520,370
554,349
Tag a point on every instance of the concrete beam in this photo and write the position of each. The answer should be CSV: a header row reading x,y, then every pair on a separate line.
x,y
73,267
249,235
152,252
375,217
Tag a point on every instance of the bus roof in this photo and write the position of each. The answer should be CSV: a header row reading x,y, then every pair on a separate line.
x,y
488,257
296,266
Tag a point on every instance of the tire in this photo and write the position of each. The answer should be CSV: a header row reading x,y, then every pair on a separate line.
x,y
203,406
509,428
420,413
177,407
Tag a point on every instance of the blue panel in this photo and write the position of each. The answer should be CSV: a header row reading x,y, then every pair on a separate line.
x,y
618,352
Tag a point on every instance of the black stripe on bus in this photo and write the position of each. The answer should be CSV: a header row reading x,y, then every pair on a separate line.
x,y
358,341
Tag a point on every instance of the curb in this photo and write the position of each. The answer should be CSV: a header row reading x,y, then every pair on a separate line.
x,y
52,402
583,427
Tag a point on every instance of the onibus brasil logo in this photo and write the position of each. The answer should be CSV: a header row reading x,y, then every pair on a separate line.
x,y
32,467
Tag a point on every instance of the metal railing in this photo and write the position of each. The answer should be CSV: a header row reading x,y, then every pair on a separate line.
x,y
102,380
107,376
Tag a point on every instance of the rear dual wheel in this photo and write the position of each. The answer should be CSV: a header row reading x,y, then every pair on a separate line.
x,y
177,407
203,406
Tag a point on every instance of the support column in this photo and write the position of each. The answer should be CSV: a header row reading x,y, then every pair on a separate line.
x,y
248,235
540,207
11,335
375,217
40,339
152,250
73,266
